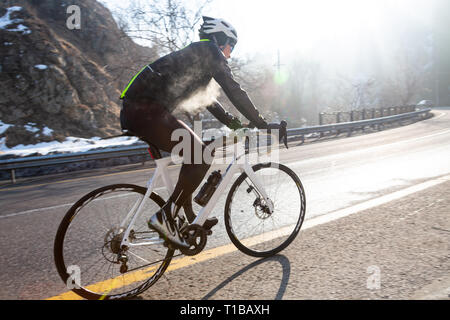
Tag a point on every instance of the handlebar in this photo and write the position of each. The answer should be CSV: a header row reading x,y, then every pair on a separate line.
x,y
241,133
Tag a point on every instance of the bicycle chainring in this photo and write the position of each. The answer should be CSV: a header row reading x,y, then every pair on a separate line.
x,y
196,236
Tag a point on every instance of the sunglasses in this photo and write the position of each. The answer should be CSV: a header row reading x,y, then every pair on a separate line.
x,y
231,43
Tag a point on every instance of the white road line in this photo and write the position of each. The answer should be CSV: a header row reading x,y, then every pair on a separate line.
x,y
440,116
58,206
35,210
328,217
359,151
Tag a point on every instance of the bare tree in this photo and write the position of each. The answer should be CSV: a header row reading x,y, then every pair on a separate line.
x,y
354,93
168,24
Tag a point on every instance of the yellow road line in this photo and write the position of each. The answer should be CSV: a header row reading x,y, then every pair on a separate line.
x,y
140,275
176,264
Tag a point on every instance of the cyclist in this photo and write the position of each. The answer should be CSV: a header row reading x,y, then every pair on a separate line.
x,y
159,87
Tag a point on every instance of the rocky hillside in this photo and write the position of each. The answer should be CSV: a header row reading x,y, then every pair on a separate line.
x,y
56,82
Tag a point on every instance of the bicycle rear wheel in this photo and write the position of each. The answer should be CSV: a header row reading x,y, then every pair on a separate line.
x,y
88,242
250,225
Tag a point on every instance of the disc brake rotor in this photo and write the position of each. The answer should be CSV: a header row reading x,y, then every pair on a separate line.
x,y
113,238
262,210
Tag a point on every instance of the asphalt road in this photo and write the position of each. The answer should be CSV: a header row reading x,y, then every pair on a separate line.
x,y
338,174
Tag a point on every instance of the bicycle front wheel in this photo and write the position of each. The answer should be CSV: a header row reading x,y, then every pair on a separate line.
x,y
87,250
251,226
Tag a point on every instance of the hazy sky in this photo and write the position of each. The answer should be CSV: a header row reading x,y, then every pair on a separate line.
x,y
329,31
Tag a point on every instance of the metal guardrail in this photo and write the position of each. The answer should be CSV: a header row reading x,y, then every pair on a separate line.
x,y
28,162
37,161
355,125
362,114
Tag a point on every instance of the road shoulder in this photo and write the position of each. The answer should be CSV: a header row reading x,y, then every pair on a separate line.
x,y
398,250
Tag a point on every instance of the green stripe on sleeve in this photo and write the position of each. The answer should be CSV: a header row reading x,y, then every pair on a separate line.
x,y
129,84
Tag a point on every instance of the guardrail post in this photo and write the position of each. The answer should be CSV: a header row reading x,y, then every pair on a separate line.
x,y
352,116
349,132
13,176
338,117
321,118
373,114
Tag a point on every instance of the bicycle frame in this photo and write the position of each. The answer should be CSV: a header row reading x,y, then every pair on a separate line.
x,y
161,172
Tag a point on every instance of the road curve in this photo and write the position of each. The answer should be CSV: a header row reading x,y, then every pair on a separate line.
x,y
337,174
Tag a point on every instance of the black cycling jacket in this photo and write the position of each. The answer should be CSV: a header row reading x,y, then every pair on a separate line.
x,y
174,77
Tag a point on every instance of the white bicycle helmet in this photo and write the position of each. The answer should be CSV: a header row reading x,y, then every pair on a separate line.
x,y
219,31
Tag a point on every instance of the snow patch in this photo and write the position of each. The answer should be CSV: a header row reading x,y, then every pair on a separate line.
x,y
30,127
71,144
4,127
210,134
6,20
47,131
41,66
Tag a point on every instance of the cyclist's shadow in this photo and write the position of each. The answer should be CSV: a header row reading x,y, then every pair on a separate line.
x,y
286,268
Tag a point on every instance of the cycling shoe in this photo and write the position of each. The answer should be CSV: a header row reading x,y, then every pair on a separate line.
x,y
209,223
166,230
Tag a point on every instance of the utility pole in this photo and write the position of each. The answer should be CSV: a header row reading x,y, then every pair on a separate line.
x,y
278,77
278,65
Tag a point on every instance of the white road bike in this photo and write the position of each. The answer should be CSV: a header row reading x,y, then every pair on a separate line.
x,y
104,249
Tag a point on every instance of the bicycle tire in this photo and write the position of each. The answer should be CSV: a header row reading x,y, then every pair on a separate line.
x,y
85,291
246,244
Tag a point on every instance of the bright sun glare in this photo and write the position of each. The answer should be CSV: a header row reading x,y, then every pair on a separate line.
x,y
313,26
329,31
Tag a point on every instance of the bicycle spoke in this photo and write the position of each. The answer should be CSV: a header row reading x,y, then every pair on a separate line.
x,y
92,237
247,214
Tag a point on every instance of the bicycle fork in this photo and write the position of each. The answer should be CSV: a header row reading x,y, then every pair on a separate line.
x,y
258,185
